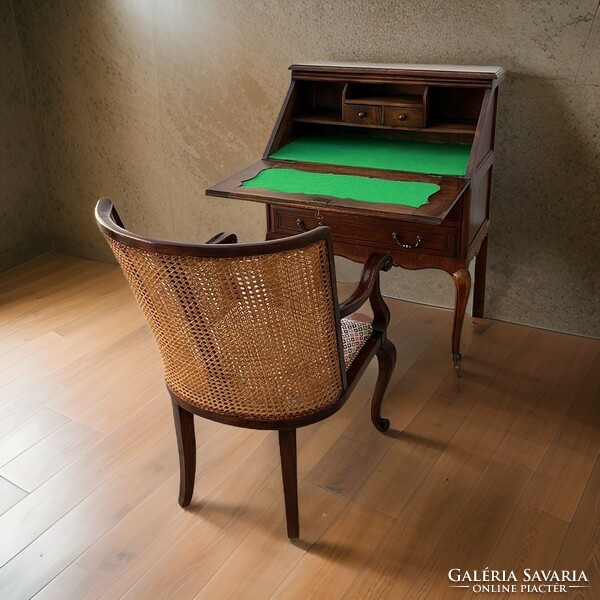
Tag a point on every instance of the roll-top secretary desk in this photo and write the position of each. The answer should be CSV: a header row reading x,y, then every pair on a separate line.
x,y
395,159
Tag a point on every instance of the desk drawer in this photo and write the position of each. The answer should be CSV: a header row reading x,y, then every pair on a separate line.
x,y
383,235
403,117
364,114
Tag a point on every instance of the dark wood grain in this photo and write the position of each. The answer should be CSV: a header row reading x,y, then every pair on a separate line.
x,y
289,472
186,445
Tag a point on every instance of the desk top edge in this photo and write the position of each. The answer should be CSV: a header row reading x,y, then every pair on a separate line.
x,y
458,71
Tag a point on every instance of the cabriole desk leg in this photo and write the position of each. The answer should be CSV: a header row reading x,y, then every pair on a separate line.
x,y
479,283
462,282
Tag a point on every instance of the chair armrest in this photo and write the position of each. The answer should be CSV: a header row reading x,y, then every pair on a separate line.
x,y
369,282
223,238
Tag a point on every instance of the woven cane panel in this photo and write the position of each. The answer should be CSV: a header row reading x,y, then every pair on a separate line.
x,y
250,337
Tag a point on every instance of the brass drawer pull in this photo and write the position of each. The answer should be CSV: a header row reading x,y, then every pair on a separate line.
x,y
402,117
398,237
301,225
362,114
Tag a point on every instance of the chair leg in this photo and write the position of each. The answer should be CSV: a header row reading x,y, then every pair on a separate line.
x,y
186,444
386,357
289,471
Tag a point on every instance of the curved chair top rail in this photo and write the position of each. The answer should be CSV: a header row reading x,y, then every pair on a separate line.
x,y
111,225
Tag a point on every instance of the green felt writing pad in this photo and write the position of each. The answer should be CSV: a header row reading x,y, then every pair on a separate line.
x,y
375,153
364,189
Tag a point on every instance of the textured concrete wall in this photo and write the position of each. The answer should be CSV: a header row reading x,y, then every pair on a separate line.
x,y
149,102
24,230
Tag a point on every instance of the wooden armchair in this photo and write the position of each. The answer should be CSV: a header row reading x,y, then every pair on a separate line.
x,y
252,335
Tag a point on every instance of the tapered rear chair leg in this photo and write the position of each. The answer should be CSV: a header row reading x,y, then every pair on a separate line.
x,y
289,471
386,357
186,444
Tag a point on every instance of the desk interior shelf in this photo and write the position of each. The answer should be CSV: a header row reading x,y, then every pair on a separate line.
x,y
416,108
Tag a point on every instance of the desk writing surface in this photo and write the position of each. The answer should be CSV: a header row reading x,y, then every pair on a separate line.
x,y
434,210
379,153
353,187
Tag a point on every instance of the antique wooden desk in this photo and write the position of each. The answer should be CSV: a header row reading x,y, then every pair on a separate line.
x,y
395,159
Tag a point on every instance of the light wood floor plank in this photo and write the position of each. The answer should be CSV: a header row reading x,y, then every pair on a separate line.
x,y
155,516
535,351
49,553
261,562
10,494
329,567
563,473
408,463
486,470
565,375
33,270
473,533
426,516
19,400
413,335
224,519
40,275
581,547
587,395
531,540
35,428
59,297
25,521
348,463
106,408
407,394
41,461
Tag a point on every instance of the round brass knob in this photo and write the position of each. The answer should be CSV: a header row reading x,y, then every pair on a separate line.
x,y
362,114
402,117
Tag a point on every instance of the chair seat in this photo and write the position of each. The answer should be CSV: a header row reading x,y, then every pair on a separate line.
x,y
355,333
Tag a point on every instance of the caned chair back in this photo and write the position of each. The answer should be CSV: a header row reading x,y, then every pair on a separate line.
x,y
245,331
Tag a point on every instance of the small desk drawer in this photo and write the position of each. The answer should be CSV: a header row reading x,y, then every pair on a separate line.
x,y
362,113
382,235
398,116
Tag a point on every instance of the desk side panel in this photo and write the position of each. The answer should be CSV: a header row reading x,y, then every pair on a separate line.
x,y
483,141
480,171
283,132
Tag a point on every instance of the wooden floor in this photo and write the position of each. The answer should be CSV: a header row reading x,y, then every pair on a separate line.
x,y
498,469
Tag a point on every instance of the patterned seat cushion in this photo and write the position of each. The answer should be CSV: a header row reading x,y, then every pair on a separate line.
x,y
354,335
